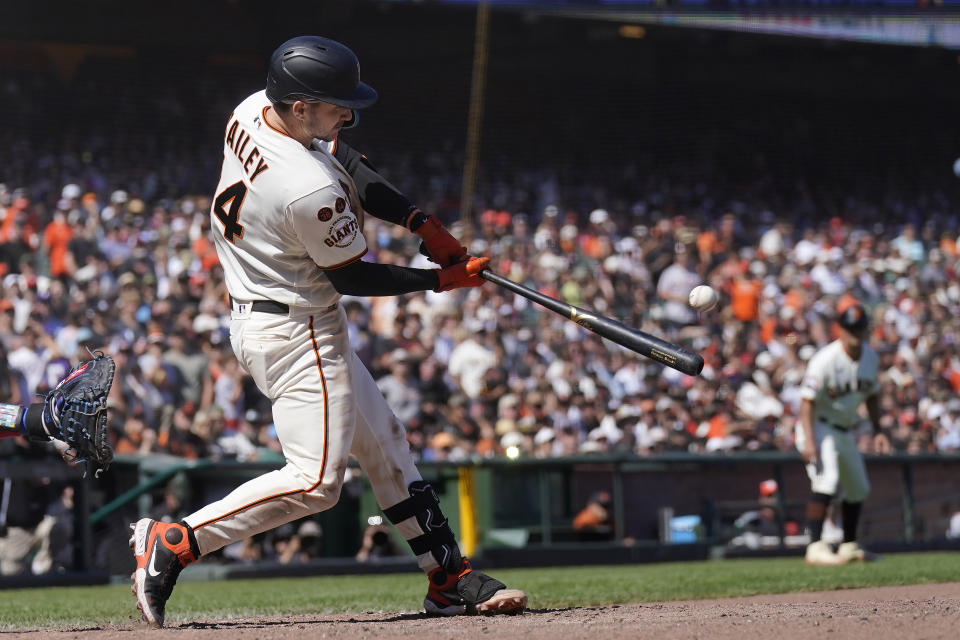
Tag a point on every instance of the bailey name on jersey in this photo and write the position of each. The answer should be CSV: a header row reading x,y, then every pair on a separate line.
x,y
237,139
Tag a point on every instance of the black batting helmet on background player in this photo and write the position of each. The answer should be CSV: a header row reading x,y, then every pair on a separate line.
x,y
317,68
854,318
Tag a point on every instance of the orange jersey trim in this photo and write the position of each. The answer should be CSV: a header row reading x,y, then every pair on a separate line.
x,y
326,444
326,405
267,122
345,262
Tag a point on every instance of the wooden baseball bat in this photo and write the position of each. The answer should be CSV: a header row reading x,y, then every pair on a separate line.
x,y
645,344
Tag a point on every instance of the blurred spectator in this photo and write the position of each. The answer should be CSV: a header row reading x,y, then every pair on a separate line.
x,y
469,361
595,520
674,286
56,239
246,551
377,542
61,533
28,358
28,517
10,381
171,507
400,388
311,540
294,543
761,526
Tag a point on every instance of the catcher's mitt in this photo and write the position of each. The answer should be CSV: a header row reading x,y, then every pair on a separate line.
x,y
78,406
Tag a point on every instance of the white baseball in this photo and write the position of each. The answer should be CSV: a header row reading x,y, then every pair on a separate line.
x,y
703,298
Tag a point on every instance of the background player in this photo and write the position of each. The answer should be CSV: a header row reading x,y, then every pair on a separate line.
x,y
287,220
839,377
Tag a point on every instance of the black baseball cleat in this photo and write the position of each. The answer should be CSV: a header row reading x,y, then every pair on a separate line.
x,y
162,550
470,592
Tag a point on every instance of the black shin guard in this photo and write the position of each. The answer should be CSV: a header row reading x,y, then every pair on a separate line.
x,y
437,538
850,512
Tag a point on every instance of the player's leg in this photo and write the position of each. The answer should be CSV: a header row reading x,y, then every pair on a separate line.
x,y
856,487
824,479
305,374
381,447
300,366
816,514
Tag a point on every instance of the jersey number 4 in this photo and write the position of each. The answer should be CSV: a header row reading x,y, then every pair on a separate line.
x,y
233,196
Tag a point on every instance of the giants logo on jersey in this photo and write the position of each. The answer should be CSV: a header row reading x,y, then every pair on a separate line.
x,y
843,388
342,232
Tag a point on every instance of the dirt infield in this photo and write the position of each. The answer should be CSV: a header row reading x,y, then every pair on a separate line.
x,y
929,612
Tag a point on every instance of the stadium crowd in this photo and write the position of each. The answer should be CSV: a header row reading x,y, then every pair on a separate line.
x,y
482,372
103,246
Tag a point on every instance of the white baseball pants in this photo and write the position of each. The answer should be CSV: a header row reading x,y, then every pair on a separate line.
x,y
840,465
326,406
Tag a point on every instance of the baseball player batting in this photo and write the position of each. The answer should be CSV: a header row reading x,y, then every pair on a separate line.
x,y
287,218
839,377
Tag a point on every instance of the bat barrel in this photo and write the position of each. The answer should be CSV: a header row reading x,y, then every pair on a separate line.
x,y
652,347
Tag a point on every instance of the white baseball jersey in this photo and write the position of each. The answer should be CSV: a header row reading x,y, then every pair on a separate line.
x,y
282,213
281,216
837,384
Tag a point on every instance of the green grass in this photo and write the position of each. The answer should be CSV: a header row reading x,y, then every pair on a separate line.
x,y
547,588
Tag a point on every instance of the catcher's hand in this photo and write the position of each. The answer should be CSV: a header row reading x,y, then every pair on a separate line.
x,y
78,406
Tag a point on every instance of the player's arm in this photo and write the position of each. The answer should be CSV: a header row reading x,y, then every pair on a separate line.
x,y
374,279
30,422
380,198
383,200
331,235
809,452
809,388
25,421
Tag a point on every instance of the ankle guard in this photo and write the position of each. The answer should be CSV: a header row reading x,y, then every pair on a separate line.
x,y
437,538
192,538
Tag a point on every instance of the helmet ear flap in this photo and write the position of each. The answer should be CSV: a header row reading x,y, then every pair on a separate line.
x,y
353,121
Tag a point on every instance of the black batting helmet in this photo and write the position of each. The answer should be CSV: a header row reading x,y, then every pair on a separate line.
x,y
854,318
317,68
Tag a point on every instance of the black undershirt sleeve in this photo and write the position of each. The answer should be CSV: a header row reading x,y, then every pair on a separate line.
x,y
374,279
380,198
